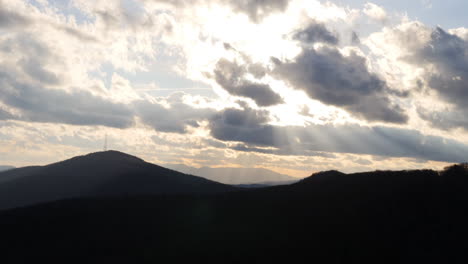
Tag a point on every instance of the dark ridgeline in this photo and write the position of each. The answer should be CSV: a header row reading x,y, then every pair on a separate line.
x,y
331,217
108,173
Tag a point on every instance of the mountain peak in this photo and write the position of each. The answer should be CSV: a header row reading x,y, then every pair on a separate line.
x,y
99,174
109,156
323,175
113,154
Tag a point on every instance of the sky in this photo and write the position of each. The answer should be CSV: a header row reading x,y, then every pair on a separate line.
x,y
295,86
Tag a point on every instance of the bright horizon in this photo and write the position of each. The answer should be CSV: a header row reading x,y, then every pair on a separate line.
x,y
294,86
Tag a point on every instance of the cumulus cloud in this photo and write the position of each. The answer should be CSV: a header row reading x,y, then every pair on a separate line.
x,y
27,54
173,117
30,84
10,19
57,69
232,77
375,12
443,57
315,32
343,81
257,9
57,106
244,125
448,53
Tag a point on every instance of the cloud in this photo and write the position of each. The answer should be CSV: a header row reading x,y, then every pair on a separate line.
x,y
284,151
232,77
5,115
355,40
27,55
32,85
250,128
176,117
10,19
448,53
57,106
247,125
445,120
375,12
315,32
443,59
35,69
78,34
343,81
256,10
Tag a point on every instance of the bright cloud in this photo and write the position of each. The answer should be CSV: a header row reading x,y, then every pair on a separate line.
x,y
298,85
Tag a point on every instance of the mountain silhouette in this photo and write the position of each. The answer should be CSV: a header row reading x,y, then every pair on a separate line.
x,y
237,176
109,173
415,216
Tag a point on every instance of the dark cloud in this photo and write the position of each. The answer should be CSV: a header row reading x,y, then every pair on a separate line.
x,y
449,54
231,77
250,128
258,9
445,120
355,39
343,81
175,118
445,57
35,69
57,106
315,32
9,19
4,115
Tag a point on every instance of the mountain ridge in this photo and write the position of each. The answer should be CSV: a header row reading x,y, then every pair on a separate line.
x,y
109,173
372,217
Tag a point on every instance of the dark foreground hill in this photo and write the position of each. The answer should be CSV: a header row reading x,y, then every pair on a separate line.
x,y
377,217
108,173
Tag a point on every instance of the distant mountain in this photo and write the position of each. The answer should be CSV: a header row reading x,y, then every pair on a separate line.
x,y
5,168
250,177
331,217
108,173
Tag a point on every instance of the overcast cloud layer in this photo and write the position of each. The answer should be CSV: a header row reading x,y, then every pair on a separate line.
x,y
295,86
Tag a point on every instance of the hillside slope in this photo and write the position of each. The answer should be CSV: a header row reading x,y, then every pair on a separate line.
x,y
331,217
108,173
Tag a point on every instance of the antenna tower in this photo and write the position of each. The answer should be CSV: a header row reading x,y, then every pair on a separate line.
x,y
105,143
